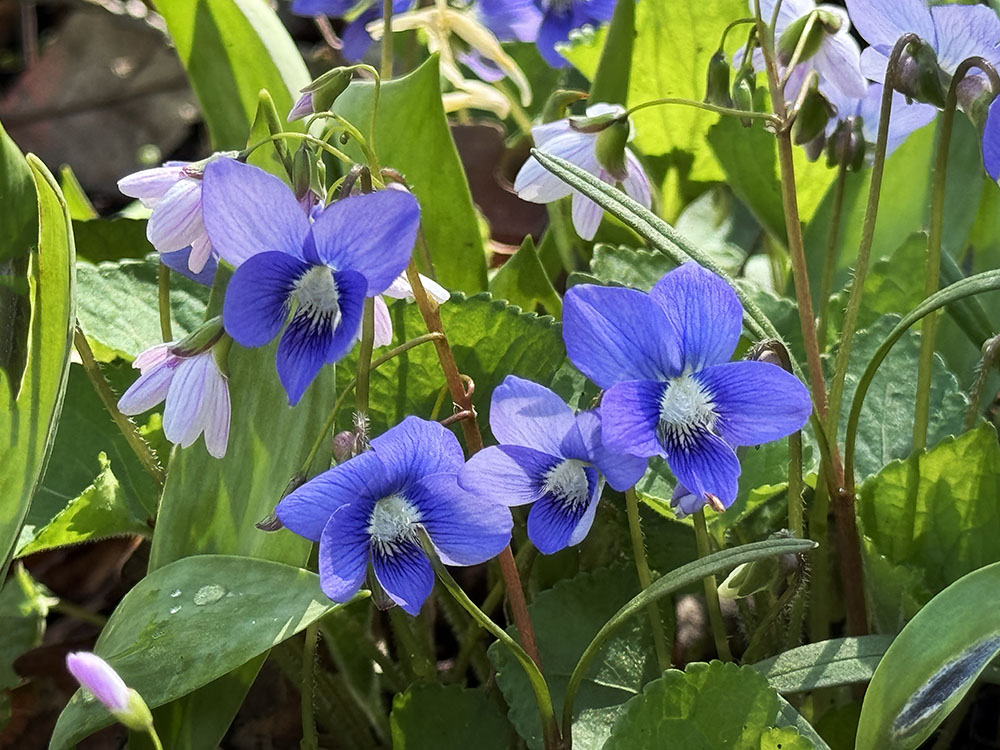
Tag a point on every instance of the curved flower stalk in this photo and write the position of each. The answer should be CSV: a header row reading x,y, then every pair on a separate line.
x,y
367,510
176,224
831,50
312,277
566,140
671,390
549,458
356,39
401,289
195,390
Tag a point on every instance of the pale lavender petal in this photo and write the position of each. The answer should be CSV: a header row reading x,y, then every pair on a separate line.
x,y
536,184
183,414
839,61
587,216
217,414
176,221
603,108
150,185
152,356
149,390
545,132
882,22
303,107
383,324
873,64
97,676
636,183
966,31
201,251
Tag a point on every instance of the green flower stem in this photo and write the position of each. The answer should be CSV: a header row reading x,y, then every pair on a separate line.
x,y
310,739
154,738
793,225
799,51
645,579
849,544
312,140
732,25
163,300
332,417
867,238
932,276
819,581
830,255
473,444
707,106
387,49
711,589
413,647
550,730
127,428
470,639
363,385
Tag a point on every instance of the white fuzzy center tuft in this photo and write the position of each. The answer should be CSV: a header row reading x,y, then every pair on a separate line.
x,y
567,480
392,521
316,293
686,408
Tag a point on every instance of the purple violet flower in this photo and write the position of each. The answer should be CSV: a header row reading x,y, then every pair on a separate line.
x,y
837,60
671,390
354,36
536,184
196,394
314,277
98,677
173,192
550,458
367,510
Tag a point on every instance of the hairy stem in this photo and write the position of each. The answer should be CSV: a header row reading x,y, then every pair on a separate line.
x,y
645,579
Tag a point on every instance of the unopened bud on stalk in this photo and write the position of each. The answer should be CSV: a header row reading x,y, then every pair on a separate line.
x,y
743,92
919,76
302,172
847,145
320,95
812,117
717,85
104,683
203,338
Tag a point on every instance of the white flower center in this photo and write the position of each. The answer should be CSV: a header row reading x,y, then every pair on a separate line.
x,y
392,521
686,409
316,293
567,480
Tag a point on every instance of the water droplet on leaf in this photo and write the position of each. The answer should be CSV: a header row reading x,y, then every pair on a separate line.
x,y
209,594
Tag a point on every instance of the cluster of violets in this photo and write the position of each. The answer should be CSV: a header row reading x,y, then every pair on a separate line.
x,y
670,391
542,22
302,275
